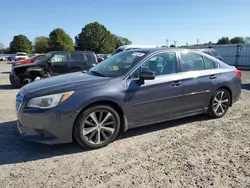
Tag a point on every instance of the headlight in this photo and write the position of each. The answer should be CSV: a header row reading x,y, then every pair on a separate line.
x,y
49,101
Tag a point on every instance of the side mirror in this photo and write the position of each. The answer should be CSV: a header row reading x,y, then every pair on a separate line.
x,y
147,75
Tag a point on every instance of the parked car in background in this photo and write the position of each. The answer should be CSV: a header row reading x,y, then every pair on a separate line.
x,y
54,63
30,60
21,56
100,58
127,90
3,58
12,58
132,47
211,51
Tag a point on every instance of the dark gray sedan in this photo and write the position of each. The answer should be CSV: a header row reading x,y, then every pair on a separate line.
x,y
130,89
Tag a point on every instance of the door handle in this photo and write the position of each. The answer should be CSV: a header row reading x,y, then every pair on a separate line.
x,y
212,77
175,84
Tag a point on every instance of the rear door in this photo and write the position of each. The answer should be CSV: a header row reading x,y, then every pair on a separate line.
x,y
80,61
200,80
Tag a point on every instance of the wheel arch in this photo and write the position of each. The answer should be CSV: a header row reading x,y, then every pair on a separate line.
x,y
117,107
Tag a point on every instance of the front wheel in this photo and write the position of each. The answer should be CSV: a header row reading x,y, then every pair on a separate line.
x,y
97,126
219,103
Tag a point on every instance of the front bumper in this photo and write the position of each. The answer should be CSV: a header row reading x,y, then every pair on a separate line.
x,y
45,127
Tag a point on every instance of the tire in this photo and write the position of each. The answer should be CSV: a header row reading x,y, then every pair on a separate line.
x,y
86,131
219,105
15,81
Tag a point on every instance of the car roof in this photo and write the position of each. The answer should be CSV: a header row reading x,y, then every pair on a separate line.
x,y
152,50
71,52
136,46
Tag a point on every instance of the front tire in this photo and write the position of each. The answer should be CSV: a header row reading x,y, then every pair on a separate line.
x,y
219,103
97,126
15,81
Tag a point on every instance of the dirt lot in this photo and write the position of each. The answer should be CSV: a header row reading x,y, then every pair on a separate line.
x,y
192,152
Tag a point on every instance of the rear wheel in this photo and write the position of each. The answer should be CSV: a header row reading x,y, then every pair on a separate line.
x,y
97,126
219,103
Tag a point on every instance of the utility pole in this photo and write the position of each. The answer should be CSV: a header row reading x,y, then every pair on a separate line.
x,y
175,42
198,41
1,47
167,40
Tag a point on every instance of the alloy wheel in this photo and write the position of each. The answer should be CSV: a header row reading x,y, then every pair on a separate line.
x,y
99,127
221,102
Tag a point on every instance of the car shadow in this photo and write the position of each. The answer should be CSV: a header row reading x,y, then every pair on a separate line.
x,y
245,86
14,149
6,87
5,72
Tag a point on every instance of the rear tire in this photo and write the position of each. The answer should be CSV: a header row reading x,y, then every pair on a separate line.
x,y
219,103
97,126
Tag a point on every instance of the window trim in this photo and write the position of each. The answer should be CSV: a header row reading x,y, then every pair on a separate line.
x,y
126,77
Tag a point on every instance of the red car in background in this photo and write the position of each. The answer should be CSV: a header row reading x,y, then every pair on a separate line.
x,y
30,60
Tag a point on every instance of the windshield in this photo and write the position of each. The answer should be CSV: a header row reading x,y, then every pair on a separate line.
x,y
19,54
118,65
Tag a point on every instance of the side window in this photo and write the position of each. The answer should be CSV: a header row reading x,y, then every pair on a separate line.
x,y
191,62
161,64
209,64
78,56
59,58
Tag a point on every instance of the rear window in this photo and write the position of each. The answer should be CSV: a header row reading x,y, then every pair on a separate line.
x,y
215,53
79,57
86,57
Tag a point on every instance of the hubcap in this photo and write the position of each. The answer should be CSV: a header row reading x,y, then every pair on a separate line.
x,y
221,102
99,126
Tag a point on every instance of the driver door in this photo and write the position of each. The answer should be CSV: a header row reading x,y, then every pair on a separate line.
x,y
58,64
158,99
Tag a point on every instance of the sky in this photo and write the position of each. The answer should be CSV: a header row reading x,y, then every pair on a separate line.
x,y
141,21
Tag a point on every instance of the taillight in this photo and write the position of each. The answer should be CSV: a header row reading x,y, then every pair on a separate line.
x,y
238,73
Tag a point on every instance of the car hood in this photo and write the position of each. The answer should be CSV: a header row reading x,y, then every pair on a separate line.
x,y
62,83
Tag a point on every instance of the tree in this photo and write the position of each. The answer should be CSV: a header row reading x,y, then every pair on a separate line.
x,y
41,44
172,46
120,41
20,43
247,40
1,47
60,40
237,40
224,40
95,37
7,50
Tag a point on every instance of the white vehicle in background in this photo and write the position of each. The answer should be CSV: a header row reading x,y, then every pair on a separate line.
x,y
132,47
2,58
21,56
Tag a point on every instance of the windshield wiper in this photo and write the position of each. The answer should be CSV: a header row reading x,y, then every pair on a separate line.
x,y
97,73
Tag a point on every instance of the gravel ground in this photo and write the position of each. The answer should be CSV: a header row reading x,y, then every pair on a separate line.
x,y
191,152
